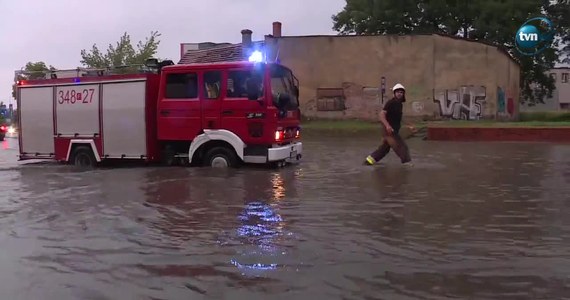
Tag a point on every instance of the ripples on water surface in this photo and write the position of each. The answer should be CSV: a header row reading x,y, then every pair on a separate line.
x,y
479,221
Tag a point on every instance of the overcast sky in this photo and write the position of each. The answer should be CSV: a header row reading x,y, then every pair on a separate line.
x,y
55,31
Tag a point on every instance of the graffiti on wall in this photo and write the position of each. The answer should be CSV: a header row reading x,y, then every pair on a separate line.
x,y
417,107
510,106
505,106
464,103
501,103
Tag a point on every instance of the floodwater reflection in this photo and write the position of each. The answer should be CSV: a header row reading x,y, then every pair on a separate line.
x,y
469,220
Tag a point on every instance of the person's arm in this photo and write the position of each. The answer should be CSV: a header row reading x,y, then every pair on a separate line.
x,y
383,119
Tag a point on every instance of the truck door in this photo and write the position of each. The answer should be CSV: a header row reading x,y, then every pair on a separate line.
x,y
179,111
240,115
211,99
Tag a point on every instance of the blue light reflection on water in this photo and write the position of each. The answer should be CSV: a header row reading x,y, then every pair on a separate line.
x,y
261,225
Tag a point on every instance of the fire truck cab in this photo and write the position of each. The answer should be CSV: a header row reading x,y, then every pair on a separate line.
x,y
215,114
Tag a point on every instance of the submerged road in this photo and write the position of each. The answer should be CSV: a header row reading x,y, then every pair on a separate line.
x,y
469,220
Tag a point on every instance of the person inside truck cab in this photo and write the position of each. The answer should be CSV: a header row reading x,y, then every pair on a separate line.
x,y
239,81
254,83
212,83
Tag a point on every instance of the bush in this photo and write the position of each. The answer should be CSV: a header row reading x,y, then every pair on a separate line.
x,y
545,116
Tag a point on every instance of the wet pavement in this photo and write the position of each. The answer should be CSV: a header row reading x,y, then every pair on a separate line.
x,y
469,220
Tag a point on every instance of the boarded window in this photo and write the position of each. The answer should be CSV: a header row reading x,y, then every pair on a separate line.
x,y
564,77
330,99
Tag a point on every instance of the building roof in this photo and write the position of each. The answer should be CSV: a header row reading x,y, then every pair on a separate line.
x,y
233,52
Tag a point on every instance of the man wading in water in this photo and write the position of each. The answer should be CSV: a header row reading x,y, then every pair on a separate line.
x,y
391,118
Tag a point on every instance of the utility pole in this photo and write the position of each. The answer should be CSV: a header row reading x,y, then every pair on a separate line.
x,y
383,87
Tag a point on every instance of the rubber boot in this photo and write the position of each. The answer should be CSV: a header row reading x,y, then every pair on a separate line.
x,y
369,161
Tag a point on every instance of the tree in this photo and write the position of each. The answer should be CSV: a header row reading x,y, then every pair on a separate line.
x,y
487,20
123,54
559,14
32,70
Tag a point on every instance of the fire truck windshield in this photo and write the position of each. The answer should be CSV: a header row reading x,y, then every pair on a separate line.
x,y
282,82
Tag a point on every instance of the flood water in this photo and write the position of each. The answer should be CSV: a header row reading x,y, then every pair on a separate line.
x,y
468,221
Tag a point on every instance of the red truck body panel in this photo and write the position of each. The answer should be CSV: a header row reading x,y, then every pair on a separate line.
x,y
56,93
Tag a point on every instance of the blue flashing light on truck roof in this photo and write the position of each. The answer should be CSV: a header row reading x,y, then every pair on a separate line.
x,y
256,56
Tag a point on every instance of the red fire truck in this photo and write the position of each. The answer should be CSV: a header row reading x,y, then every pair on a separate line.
x,y
215,114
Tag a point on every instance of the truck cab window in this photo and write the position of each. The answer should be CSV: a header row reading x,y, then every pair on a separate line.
x,y
182,86
282,82
212,84
237,83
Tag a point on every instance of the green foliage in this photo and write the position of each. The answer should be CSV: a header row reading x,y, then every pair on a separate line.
x,y
492,21
559,14
33,70
122,54
545,116
36,70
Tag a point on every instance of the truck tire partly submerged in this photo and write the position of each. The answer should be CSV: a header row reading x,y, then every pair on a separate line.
x,y
221,157
83,157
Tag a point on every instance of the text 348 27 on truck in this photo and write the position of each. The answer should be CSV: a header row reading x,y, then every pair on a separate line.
x,y
215,114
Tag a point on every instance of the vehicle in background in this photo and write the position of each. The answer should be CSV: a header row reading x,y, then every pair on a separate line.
x,y
3,131
215,114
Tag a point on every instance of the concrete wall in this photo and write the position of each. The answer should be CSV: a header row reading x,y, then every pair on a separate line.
x,y
340,76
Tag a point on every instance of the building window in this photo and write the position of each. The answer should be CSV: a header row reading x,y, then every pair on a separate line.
x,y
212,84
182,86
565,106
330,99
564,77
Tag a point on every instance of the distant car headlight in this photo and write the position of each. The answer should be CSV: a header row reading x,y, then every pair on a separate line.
x,y
11,130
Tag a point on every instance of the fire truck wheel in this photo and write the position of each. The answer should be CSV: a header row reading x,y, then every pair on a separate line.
x,y
83,157
221,157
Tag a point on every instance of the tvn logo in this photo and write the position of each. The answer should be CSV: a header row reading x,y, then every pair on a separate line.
x,y
534,36
528,37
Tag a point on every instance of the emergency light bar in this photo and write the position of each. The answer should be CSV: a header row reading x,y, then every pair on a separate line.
x,y
256,57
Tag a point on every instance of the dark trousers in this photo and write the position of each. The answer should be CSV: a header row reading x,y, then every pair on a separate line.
x,y
393,141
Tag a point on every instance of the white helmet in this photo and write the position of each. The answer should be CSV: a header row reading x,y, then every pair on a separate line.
x,y
398,87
